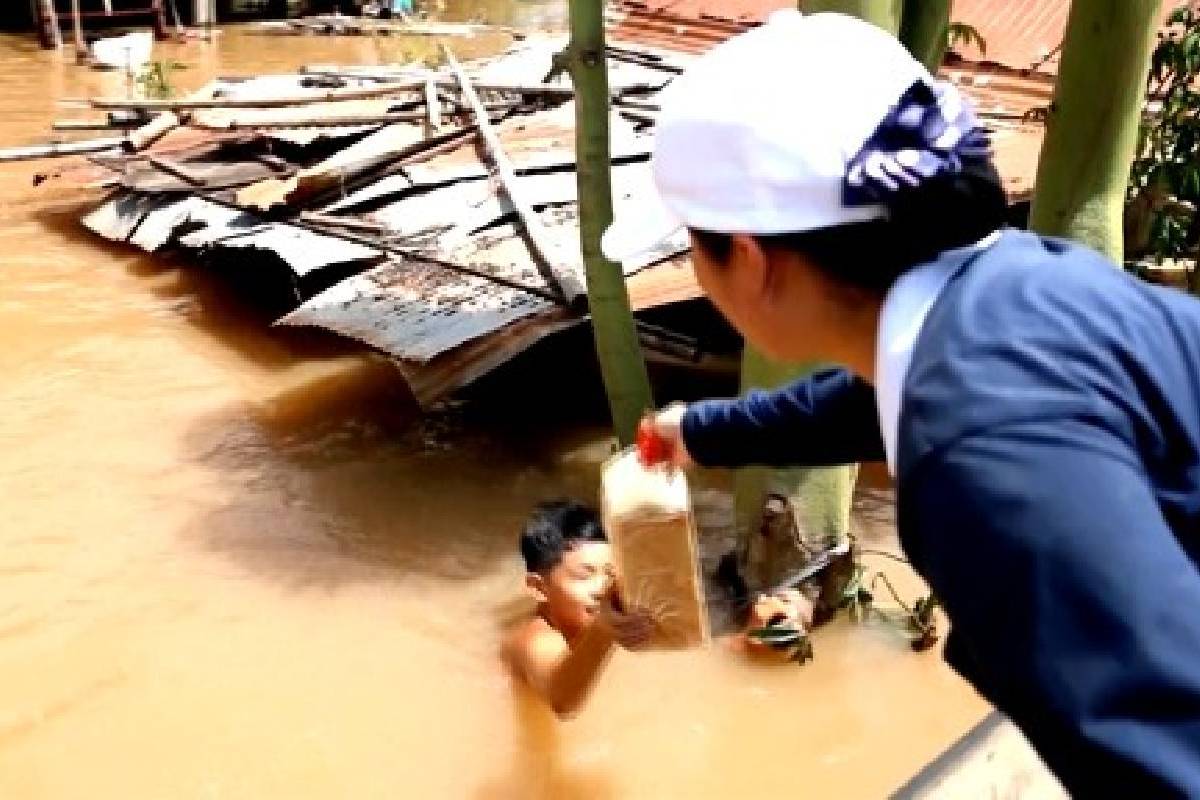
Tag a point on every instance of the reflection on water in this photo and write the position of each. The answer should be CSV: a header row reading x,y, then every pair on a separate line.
x,y
233,565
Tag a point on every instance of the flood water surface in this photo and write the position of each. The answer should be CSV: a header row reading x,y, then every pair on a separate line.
x,y
232,565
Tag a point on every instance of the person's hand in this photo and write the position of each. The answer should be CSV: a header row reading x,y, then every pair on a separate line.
x,y
666,428
632,628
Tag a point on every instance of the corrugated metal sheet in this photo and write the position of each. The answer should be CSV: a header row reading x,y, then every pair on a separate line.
x,y
414,310
434,379
671,281
152,222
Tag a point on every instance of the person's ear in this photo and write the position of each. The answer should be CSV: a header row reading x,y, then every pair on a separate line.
x,y
537,584
752,271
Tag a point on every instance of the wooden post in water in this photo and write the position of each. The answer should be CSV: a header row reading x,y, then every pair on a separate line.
x,y
81,53
1091,133
617,347
202,13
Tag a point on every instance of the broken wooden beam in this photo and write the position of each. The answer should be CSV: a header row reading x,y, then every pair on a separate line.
x,y
568,279
58,149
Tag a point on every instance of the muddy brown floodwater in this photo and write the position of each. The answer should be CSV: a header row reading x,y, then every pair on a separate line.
x,y
232,565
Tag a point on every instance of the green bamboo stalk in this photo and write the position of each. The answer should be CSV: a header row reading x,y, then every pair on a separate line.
x,y
1092,128
617,347
887,14
925,31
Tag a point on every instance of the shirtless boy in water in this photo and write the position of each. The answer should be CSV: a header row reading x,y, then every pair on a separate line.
x,y
569,565
561,652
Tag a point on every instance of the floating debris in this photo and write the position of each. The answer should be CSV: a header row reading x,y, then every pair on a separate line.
x,y
429,213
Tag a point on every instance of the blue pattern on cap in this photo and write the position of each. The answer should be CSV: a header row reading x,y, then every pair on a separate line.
x,y
931,131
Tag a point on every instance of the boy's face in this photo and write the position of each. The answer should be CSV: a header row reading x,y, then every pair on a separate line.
x,y
574,588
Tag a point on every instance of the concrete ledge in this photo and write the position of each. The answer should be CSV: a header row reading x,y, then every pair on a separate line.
x,y
992,760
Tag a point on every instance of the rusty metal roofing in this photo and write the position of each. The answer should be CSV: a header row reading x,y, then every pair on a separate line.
x,y
688,26
1018,33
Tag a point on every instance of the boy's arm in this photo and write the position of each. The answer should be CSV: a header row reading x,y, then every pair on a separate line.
x,y
563,675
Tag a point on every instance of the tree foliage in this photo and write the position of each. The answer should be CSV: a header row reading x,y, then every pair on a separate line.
x,y
1164,183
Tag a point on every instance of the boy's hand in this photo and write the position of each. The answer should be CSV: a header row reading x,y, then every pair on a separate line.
x,y
666,427
631,629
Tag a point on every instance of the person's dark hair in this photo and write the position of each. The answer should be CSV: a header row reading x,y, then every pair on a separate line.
x,y
943,213
554,528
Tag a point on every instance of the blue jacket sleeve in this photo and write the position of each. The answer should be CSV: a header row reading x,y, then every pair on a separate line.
x,y
825,419
1075,607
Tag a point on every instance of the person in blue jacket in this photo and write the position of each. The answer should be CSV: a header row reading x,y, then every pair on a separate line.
x,y
1038,408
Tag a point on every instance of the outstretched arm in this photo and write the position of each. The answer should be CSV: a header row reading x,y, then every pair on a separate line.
x,y
825,419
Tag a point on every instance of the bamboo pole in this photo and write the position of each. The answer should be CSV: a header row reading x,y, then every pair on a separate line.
x,y
886,14
1091,133
618,348
328,96
925,29
57,149
563,275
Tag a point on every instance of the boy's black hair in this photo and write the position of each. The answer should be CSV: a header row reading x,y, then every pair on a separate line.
x,y
555,527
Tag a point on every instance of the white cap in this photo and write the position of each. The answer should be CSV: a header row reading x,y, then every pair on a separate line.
x,y
756,135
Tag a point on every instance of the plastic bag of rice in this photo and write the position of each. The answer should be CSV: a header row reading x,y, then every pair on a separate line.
x,y
648,516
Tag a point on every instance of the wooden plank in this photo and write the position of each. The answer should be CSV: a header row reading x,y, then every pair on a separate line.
x,y
58,149
386,145
175,170
327,96
566,277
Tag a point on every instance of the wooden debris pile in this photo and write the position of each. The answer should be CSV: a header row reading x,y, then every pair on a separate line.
x,y
430,213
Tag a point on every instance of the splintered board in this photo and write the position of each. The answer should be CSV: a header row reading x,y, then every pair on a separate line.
x,y
647,513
